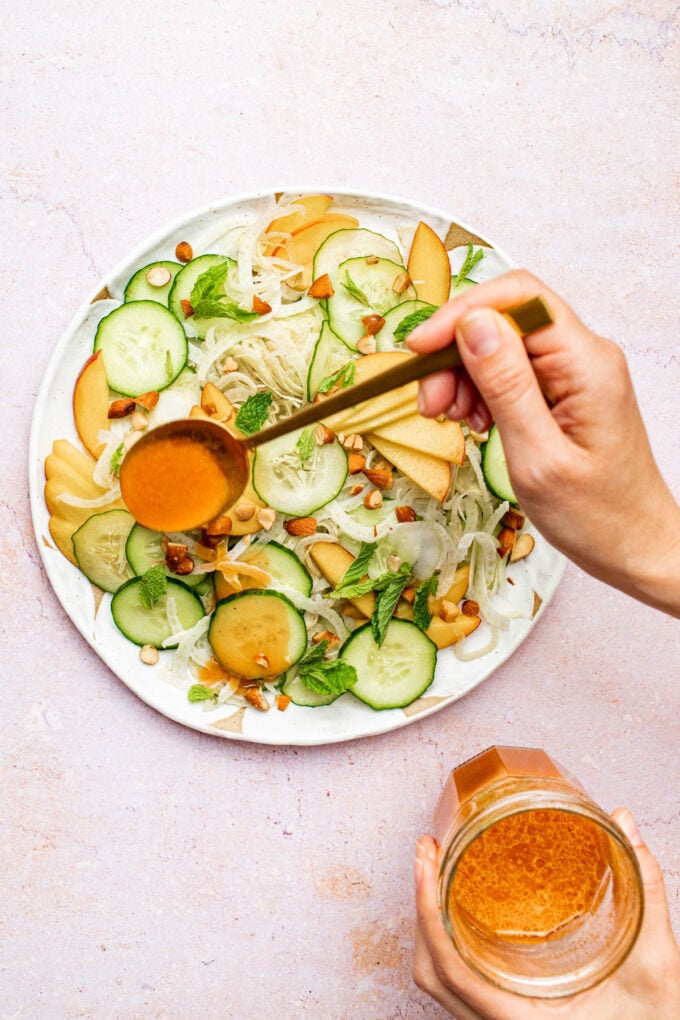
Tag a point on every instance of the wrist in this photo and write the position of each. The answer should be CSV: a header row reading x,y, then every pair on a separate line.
x,y
650,567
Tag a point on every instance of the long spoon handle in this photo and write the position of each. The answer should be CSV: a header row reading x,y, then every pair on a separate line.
x,y
527,318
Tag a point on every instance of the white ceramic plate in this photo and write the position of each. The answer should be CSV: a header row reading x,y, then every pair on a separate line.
x,y
535,578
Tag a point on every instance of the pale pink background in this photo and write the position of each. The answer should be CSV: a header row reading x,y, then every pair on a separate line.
x,y
148,871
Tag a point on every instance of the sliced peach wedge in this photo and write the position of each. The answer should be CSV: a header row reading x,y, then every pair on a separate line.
x,y
91,403
303,244
429,266
313,206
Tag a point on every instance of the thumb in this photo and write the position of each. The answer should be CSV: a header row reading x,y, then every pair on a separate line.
x,y
656,903
497,362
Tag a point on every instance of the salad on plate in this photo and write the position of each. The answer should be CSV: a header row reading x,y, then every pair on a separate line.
x,y
363,549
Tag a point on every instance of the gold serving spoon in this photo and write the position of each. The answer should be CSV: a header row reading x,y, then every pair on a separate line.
x,y
183,474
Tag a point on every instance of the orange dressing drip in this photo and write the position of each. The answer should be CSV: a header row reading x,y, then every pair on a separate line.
x,y
174,484
530,875
212,673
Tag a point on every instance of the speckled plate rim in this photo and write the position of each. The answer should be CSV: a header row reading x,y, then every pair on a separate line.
x,y
345,719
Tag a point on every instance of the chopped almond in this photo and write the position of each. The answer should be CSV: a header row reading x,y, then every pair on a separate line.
x,y
373,499
409,595
506,540
401,283
266,517
184,252
366,345
260,306
158,276
256,698
372,260
373,324
282,702
149,655
405,514
523,546
148,400
356,489
301,526
229,365
323,435
326,635
470,608
322,287
353,442
393,563
380,477
244,511
356,462
514,519
121,408
220,526
449,611
139,421
184,566
187,308
261,660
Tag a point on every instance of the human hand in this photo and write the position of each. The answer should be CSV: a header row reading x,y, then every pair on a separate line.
x,y
645,987
577,450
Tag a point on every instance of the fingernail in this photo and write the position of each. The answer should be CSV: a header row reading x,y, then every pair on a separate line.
x,y
479,332
421,400
629,826
476,421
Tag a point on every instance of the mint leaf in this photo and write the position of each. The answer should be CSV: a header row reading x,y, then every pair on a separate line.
x,y
421,613
386,602
117,459
376,584
315,653
199,692
153,587
471,260
357,569
328,677
209,300
306,444
343,377
356,292
253,413
409,323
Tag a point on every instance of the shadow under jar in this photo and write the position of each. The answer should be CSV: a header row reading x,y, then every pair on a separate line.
x,y
539,888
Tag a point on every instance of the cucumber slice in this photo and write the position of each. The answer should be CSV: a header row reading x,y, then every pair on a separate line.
x,y
283,482
353,243
282,564
257,625
396,673
184,284
144,549
138,287
385,340
374,283
301,695
464,285
144,347
151,626
495,467
367,518
99,547
330,355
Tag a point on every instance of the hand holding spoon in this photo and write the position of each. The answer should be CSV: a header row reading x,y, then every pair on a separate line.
x,y
183,474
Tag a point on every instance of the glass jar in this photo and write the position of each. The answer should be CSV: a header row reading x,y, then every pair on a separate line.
x,y
539,889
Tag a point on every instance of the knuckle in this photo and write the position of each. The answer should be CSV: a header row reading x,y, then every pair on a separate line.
x,y
509,381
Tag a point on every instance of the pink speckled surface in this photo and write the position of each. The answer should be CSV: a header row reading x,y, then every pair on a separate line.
x,y
149,871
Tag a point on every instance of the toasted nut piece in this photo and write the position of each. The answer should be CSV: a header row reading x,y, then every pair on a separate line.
x,y
184,252
229,365
148,400
187,308
158,276
353,442
393,563
175,552
149,654
405,514
356,462
373,324
479,437
139,421
382,465
449,611
261,660
409,595
266,517
244,511
326,635
372,260
401,283
322,287
514,519
506,540
510,581
220,526
260,306
470,608
184,567
282,702
256,698
323,435
356,489
380,477
301,526
373,499
121,408
523,546
366,345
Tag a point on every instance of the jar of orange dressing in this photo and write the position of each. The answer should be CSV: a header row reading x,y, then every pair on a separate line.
x,y
539,888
